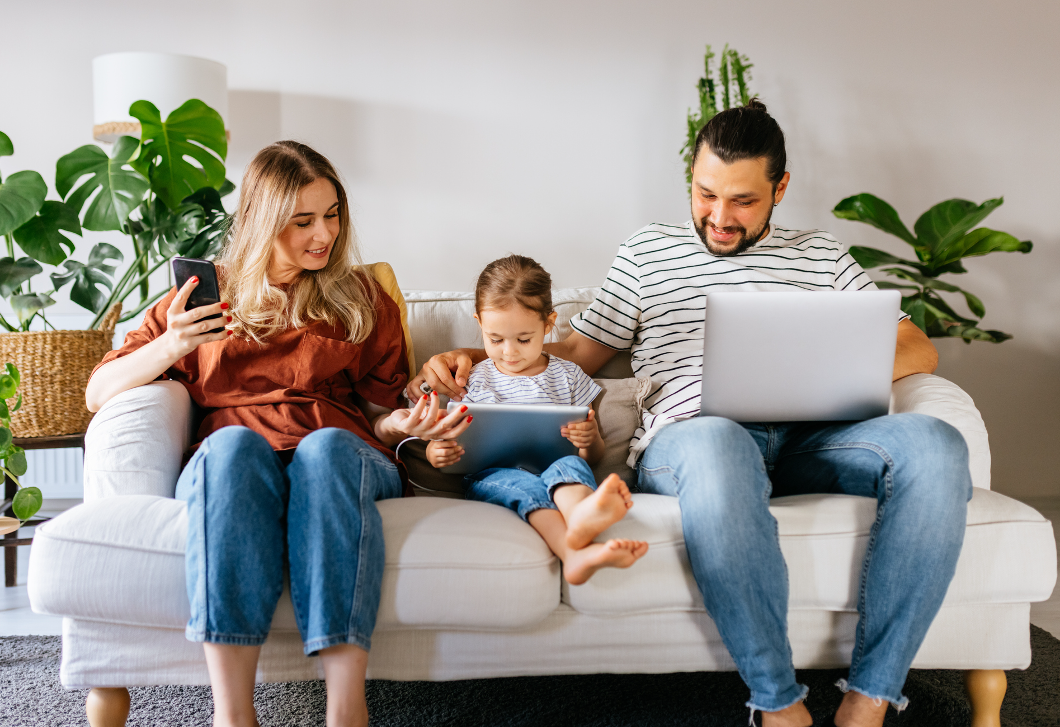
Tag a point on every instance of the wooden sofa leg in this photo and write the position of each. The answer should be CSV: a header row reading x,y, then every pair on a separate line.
x,y
107,706
986,690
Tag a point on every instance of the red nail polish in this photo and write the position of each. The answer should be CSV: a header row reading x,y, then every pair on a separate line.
x,y
224,306
229,319
194,278
463,409
424,397
469,419
228,333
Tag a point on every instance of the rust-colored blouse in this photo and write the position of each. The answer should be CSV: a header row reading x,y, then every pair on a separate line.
x,y
299,381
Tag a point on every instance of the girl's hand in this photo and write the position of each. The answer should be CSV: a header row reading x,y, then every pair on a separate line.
x,y
443,453
584,433
186,330
425,421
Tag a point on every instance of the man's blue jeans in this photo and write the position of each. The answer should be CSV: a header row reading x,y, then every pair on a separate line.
x,y
248,515
523,492
723,474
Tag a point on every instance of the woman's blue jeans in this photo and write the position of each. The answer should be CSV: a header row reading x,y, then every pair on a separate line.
x,y
524,492
248,515
724,473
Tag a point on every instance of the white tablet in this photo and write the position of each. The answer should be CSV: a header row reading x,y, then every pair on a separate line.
x,y
521,436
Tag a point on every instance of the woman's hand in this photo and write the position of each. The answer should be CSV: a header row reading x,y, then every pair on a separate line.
x,y
582,434
443,453
186,330
425,421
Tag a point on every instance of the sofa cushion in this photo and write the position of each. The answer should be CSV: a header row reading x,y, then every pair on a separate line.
x,y
448,565
1008,556
619,414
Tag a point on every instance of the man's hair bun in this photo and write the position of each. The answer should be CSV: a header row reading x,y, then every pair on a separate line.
x,y
755,104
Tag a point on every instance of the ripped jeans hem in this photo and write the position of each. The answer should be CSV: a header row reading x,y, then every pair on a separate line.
x,y
754,707
899,704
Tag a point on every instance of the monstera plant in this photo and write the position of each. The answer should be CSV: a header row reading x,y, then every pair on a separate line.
x,y
163,190
944,236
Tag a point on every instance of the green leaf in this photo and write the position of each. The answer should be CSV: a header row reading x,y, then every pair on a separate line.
x,y
4,413
942,310
18,404
98,271
5,438
949,221
872,210
870,257
7,386
82,172
984,240
27,501
21,195
227,187
14,273
888,285
27,306
41,237
12,371
193,131
6,147
913,306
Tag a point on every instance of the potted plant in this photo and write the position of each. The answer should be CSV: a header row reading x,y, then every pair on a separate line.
x,y
27,500
944,236
147,189
734,71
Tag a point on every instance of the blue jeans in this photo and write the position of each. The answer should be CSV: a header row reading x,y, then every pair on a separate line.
x,y
723,474
523,492
246,512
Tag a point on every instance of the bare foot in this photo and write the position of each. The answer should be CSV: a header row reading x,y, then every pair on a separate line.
x,y
616,553
794,716
599,511
857,710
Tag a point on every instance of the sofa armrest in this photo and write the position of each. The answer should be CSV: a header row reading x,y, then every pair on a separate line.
x,y
135,442
937,397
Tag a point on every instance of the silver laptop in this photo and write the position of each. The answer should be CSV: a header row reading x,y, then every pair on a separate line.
x,y
520,436
801,356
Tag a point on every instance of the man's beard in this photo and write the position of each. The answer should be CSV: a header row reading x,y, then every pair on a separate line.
x,y
745,240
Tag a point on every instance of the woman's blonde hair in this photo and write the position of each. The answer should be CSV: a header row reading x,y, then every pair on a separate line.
x,y
338,292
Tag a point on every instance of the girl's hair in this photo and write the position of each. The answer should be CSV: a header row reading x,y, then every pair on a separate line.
x,y
515,279
336,293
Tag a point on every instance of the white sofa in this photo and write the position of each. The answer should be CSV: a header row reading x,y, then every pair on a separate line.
x,y
470,591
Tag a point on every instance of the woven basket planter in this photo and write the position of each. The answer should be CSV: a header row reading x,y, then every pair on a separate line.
x,y
55,366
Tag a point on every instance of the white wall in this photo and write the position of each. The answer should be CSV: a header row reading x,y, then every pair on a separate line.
x,y
467,130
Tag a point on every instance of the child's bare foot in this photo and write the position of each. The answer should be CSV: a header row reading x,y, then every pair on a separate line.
x,y
598,512
581,564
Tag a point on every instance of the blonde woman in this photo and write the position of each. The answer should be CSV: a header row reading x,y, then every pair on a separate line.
x,y
300,394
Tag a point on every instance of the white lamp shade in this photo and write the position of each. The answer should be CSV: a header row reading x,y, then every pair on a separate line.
x,y
164,79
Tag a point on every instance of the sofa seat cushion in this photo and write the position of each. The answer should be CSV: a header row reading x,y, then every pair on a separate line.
x,y
1008,556
449,564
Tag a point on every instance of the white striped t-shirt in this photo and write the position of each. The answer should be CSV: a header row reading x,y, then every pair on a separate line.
x,y
562,382
653,300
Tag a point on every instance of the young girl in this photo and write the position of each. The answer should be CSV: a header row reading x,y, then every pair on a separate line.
x,y
513,304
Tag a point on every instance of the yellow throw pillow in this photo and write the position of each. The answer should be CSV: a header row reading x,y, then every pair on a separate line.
x,y
384,275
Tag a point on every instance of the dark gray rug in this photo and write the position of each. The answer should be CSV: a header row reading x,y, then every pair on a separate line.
x,y
31,696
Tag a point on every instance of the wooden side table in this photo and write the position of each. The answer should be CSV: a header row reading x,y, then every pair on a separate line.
x,y
11,541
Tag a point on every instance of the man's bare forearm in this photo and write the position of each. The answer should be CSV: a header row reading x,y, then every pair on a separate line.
x,y
914,352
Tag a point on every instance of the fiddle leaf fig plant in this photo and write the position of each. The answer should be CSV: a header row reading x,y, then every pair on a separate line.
x,y
146,188
27,500
944,236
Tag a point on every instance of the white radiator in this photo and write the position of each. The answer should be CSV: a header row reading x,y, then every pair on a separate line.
x,y
58,473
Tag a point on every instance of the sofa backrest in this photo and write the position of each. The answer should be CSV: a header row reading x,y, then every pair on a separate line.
x,y
442,321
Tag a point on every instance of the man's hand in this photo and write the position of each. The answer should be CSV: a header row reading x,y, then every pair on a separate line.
x,y
914,352
446,373
444,453
582,434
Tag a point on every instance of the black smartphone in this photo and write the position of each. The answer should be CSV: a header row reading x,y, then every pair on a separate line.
x,y
206,292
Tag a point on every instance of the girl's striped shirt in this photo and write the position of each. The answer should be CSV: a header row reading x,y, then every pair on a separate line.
x,y
652,304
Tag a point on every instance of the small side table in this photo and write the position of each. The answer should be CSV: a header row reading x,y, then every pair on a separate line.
x,y
11,541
